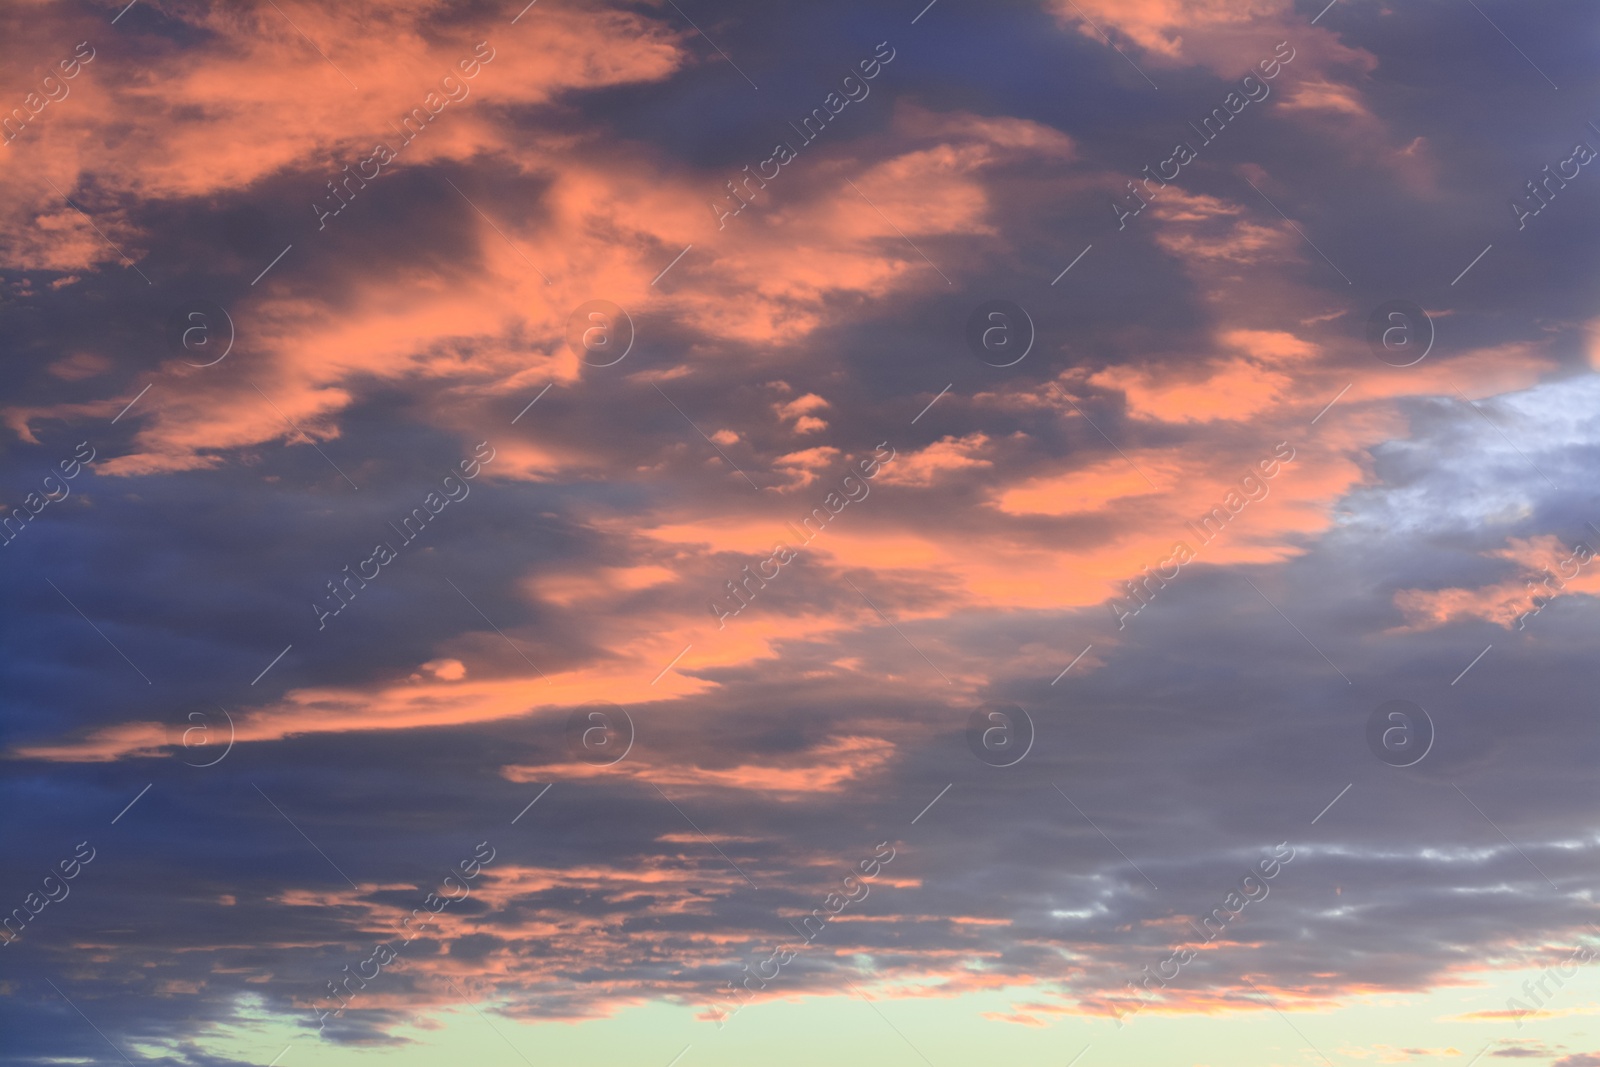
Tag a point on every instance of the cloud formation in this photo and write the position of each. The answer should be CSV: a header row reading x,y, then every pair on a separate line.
x,y
312,731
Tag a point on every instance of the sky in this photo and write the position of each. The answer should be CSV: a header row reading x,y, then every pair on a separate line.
x,y
696,533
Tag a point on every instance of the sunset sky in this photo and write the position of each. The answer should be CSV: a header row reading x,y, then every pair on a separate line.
x,y
685,533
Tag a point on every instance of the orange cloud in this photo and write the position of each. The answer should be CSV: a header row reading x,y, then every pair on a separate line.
x,y
1549,569
824,770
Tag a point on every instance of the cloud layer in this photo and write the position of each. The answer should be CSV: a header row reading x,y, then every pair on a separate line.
x,y
389,540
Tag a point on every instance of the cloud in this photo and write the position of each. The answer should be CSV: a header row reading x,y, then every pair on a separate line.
x,y
781,745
